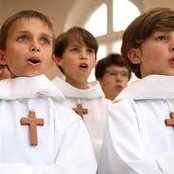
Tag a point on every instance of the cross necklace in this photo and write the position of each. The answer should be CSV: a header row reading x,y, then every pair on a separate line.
x,y
32,122
80,110
170,122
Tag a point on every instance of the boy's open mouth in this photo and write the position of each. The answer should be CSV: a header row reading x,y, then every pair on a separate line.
x,y
172,60
83,65
34,61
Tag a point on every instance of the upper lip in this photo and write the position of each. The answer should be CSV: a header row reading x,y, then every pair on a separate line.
x,y
171,59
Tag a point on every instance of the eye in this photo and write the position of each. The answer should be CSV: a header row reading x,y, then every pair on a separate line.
x,y
124,74
74,49
112,73
23,38
161,38
90,50
45,41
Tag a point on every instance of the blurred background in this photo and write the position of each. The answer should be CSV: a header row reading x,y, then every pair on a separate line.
x,y
105,19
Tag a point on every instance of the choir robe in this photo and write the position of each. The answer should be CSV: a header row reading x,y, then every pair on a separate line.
x,y
64,145
92,99
136,138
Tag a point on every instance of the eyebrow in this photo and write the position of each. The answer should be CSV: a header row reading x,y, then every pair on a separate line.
x,y
28,32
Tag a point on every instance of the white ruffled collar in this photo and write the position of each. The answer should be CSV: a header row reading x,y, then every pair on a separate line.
x,y
29,87
69,91
150,87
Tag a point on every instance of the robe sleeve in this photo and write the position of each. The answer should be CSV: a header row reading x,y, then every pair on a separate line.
x,y
73,150
76,149
123,150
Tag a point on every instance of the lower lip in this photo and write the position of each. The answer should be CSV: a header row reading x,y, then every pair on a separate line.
x,y
33,64
172,62
83,69
119,87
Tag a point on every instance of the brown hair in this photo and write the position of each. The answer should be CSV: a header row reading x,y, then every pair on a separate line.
x,y
110,60
74,34
21,15
156,19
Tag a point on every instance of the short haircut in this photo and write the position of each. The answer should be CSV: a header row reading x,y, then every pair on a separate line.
x,y
143,27
110,60
74,35
26,14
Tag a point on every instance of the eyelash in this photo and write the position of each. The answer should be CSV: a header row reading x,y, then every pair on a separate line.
x,y
20,39
90,50
161,38
74,49
44,40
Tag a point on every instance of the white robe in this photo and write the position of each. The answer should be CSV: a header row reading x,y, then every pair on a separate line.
x,y
93,99
64,146
137,139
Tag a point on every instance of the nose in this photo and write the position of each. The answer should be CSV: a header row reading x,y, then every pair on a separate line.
x,y
171,48
83,54
118,77
34,47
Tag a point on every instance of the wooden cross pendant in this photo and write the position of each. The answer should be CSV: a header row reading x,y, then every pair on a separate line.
x,y
80,110
170,122
32,121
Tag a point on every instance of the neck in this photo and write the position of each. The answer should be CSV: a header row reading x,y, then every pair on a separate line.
x,y
79,85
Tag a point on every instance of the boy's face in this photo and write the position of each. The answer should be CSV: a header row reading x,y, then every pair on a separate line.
x,y
77,62
28,48
114,80
156,54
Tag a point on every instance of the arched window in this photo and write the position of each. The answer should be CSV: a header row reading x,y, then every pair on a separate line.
x,y
107,24
97,23
106,20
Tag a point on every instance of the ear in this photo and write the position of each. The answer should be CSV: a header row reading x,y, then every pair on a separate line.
x,y
2,58
52,61
134,56
58,61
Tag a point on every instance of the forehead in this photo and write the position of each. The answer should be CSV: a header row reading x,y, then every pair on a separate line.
x,y
116,68
75,41
30,24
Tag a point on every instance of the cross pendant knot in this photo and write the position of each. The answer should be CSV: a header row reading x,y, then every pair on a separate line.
x,y
170,122
80,110
32,122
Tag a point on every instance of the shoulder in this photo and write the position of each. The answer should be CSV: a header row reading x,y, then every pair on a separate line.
x,y
124,108
66,115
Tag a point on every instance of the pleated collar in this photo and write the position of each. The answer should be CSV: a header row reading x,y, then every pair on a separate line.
x,y
150,87
29,87
94,91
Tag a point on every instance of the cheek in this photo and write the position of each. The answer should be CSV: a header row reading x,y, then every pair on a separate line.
x,y
104,86
93,62
106,82
154,51
125,82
